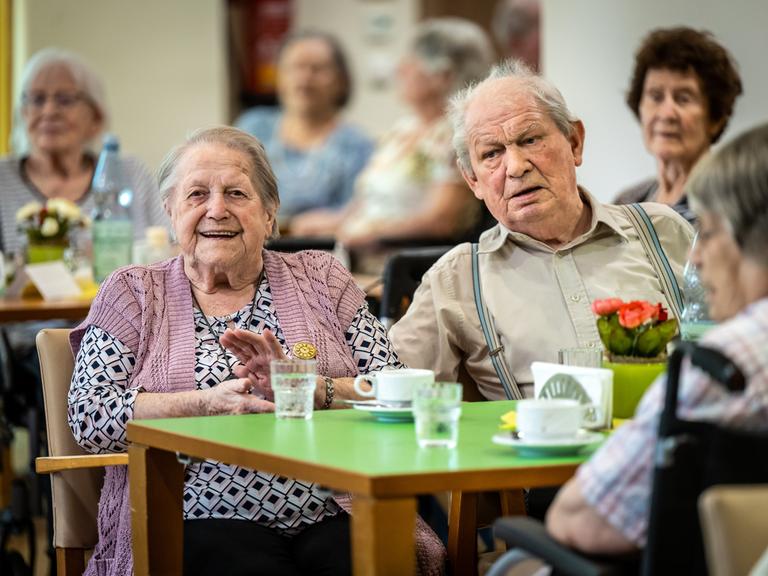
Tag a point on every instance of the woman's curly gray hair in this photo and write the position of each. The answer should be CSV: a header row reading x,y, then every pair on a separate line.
x,y
455,45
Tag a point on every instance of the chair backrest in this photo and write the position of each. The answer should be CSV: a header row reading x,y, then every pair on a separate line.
x,y
75,492
402,275
735,527
691,457
298,243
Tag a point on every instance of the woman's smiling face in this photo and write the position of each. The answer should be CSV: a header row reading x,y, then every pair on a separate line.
x,y
217,214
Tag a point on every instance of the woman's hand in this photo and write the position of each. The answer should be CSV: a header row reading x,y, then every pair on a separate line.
x,y
229,397
234,397
255,352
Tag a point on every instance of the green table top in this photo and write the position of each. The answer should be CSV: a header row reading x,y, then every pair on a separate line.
x,y
350,441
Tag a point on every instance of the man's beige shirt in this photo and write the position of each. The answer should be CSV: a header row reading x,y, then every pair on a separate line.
x,y
539,297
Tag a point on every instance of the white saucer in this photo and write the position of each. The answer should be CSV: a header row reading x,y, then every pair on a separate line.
x,y
553,447
385,413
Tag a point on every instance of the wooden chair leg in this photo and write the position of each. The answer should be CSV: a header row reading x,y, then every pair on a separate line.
x,y
462,533
70,561
6,476
512,503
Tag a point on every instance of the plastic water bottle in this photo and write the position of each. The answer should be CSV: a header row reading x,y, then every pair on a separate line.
x,y
112,223
695,321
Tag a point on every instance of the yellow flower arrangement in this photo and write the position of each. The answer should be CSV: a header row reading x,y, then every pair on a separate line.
x,y
51,222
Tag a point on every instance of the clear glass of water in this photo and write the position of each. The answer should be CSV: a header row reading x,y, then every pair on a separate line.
x,y
293,384
436,410
584,357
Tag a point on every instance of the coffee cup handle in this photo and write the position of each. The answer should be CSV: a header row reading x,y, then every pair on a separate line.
x,y
366,378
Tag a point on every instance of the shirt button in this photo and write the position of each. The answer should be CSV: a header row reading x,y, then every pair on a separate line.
x,y
575,297
591,344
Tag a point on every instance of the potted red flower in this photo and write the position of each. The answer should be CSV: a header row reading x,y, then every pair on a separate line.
x,y
635,336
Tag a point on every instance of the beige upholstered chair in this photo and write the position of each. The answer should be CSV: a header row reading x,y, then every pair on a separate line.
x,y
76,477
735,526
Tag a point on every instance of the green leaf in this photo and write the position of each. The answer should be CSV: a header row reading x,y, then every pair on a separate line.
x,y
654,341
615,338
667,330
604,329
620,341
649,343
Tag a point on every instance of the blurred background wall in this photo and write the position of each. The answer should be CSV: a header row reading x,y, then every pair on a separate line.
x,y
588,51
166,64
162,62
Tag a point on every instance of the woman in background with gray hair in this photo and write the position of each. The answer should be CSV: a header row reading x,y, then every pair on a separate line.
x,y
59,113
411,187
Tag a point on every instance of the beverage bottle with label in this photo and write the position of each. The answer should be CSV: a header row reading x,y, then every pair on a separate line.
x,y
112,231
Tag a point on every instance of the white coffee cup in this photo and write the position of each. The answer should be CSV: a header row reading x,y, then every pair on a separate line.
x,y
394,387
549,419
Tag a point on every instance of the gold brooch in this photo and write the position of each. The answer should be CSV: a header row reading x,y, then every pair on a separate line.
x,y
304,351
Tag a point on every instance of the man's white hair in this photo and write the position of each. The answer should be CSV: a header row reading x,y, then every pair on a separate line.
x,y
543,91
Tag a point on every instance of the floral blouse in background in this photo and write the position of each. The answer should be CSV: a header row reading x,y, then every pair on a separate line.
x,y
408,162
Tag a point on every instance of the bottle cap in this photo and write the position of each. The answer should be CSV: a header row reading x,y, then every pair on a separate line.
x,y
111,143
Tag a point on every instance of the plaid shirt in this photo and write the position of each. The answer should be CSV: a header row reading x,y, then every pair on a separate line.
x,y
616,481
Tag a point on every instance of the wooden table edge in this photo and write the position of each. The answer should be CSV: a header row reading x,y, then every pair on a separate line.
x,y
379,486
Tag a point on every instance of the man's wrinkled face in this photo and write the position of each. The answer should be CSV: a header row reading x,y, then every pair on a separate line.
x,y
524,166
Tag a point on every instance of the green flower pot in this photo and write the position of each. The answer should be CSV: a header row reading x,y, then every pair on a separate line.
x,y
630,381
40,252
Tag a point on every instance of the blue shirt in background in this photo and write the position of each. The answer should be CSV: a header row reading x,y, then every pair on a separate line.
x,y
321,177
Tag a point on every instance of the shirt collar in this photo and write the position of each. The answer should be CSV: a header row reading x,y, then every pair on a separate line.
x,y
602,218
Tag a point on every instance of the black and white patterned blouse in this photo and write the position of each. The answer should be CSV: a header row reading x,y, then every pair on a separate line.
x,y
101,402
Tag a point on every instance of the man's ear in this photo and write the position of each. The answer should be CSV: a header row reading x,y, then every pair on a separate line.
x,y
577,141
166,206
470,179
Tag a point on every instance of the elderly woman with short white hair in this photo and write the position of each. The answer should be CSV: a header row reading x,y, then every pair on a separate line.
x,y
194,336
411,187
59,114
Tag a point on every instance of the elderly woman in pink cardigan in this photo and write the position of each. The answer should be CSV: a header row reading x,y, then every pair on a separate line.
x,y
194,336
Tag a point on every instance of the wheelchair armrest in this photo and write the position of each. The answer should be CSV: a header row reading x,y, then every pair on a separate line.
x,y
52,464
532,537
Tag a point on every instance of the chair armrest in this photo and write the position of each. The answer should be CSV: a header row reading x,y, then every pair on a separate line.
x,y
51,464
531,536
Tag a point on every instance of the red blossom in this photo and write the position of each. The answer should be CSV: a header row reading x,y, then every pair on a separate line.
x,y
663,315
633,314
607,306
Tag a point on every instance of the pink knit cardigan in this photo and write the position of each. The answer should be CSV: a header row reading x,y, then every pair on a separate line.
x,y
149,309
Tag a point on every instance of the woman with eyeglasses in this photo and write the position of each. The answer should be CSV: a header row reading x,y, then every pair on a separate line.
x,y
58,116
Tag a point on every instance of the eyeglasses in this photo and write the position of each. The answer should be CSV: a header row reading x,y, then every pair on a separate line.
x,y
63,100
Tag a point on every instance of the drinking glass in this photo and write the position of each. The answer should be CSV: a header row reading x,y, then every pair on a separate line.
x,y
293,383
584,357
436,409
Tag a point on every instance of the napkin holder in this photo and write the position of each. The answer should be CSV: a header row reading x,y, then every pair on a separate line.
x,y
587,385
